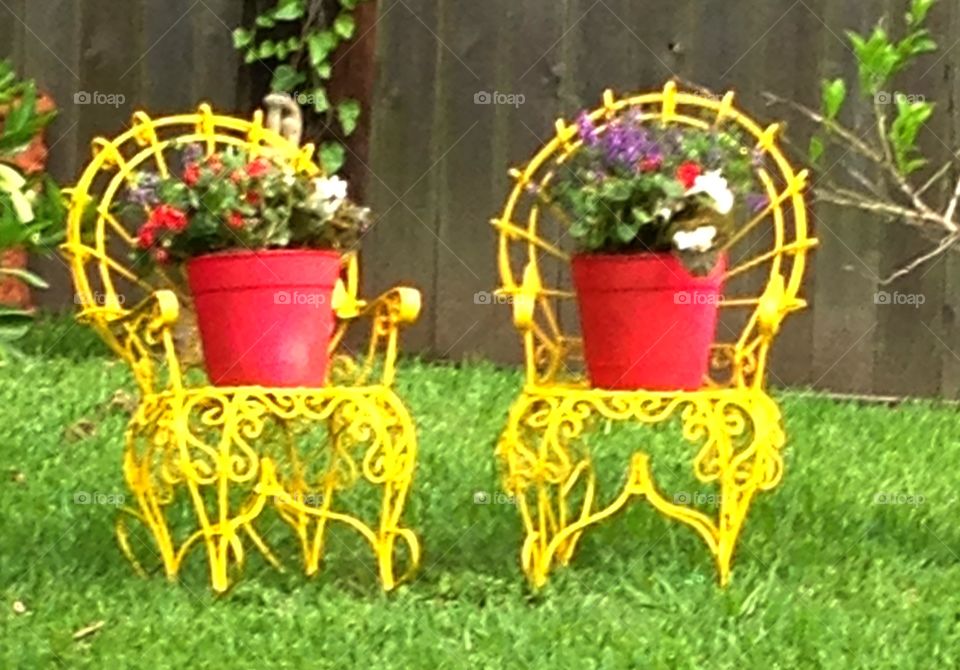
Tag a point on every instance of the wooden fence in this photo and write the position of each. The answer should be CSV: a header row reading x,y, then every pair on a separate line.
x,y
438,157
439,161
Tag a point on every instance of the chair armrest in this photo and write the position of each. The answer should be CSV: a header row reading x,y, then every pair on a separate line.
x,y
141,335
389,312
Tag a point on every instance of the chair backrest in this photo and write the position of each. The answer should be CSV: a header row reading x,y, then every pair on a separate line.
x,y
766,257
100,247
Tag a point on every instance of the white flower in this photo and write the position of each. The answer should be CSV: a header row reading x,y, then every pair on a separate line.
x,y
665,213
715,186
700,239
12,182
329,193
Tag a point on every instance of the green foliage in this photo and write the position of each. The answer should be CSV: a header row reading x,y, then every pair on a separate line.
x,y
623,189
230,201
880,58
297,39
824,577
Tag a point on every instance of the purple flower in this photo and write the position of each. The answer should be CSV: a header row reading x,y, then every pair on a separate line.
x,y
192,153
586,129
757,202
145,191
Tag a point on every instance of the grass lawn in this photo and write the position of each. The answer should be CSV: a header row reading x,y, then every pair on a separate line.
x,y
825,577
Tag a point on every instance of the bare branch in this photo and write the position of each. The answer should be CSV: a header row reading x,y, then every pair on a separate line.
x,y
945,244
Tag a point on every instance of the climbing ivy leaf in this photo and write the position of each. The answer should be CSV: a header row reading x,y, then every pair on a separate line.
x,y
344,26
320,45
348,112
286,78
332,157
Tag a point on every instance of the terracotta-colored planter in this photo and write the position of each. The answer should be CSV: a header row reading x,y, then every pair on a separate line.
x,y
31,160
265,317
13,292
647,323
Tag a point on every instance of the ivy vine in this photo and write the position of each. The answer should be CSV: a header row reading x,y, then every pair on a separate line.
x,y
297,40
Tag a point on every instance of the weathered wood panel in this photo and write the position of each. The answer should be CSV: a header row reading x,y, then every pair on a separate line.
x,y
849,341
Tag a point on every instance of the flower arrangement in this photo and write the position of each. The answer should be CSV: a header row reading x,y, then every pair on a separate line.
x,y
230,200
637,186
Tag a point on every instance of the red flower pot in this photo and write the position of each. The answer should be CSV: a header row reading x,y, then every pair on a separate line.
x,y
265,317
647,323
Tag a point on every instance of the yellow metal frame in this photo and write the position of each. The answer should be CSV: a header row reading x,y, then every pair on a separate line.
x,y
231,453
733,424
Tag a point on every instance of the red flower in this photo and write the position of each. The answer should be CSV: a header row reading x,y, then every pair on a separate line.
x,y
236,176
688,172
651,164
169,217
146,237
214,163
252,198
258,168
191,174
235,220
161,255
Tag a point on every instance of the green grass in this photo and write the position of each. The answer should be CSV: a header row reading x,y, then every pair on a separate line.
x,y
824,578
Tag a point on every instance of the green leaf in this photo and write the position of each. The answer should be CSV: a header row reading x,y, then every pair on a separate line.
x,y
242,38
321,102
320,45
324,70
903,133
625,232
344,25
267,49
834,93
25,276
332,157
816,149
265,21
641,216
289,10
348,112
350,4
918,12
877,59
286,78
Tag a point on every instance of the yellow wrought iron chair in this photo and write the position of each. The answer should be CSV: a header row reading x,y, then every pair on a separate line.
x,y
225,455
733,423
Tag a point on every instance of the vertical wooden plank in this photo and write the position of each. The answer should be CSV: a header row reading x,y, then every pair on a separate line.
x,y
402,244
168,65
847,262
109,70
529,66
51,56
785,63
217,63
909,324
354,76
12,30
469,105
949,346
